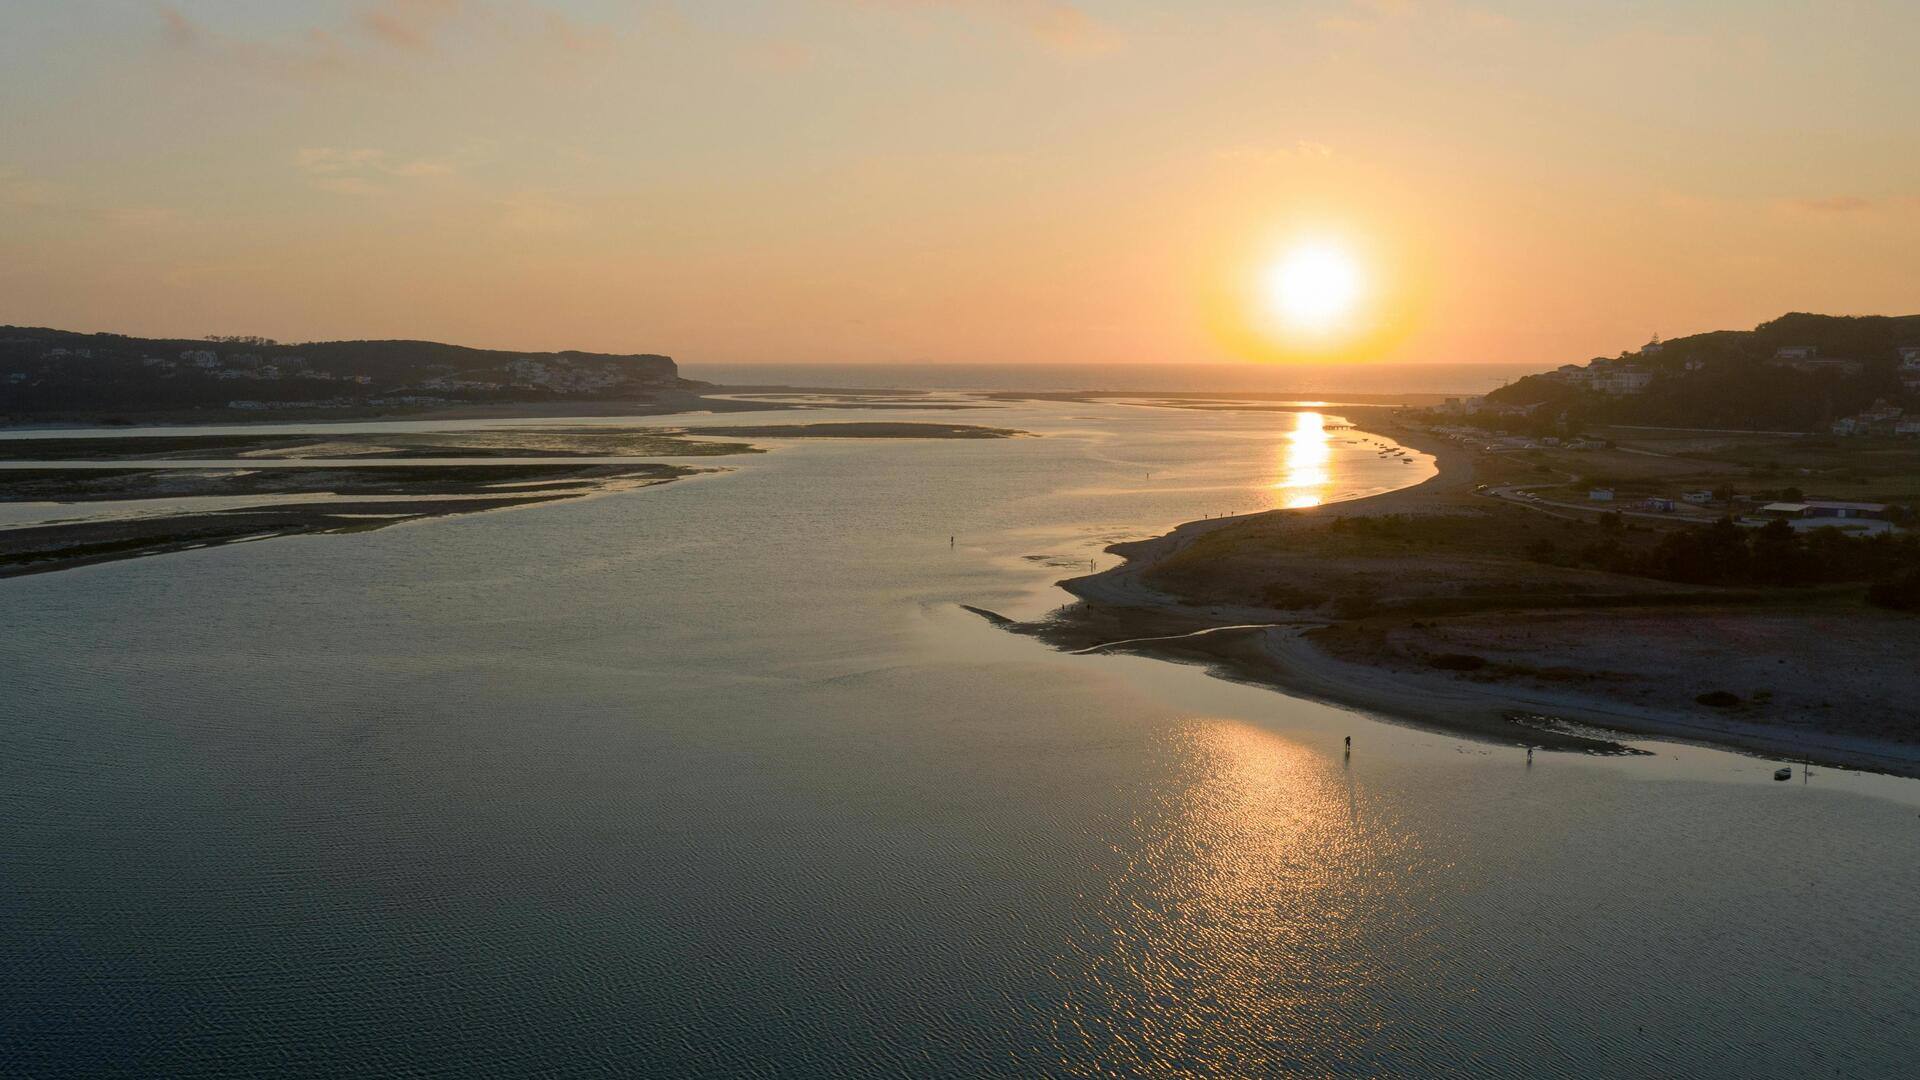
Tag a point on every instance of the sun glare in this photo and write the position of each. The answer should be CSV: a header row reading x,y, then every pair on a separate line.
x,y
1315,287
1309,449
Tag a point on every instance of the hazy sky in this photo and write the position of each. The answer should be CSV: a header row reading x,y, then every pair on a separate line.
x,y
948,180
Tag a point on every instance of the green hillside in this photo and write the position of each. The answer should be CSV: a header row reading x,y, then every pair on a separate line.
x,y
1739,379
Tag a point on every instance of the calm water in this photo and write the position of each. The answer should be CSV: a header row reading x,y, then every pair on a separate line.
x,y
717,779
1316,379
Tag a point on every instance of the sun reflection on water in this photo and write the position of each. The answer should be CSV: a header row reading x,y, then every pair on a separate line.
x,y
1309,449
1255,910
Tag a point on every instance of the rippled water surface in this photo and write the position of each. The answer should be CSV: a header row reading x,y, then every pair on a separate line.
x,y
717,779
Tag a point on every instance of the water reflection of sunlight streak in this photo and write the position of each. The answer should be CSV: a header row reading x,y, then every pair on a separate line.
x,y
1249,915
1309,449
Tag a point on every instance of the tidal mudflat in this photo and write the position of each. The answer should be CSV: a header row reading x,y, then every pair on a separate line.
x,y
720,778
203,490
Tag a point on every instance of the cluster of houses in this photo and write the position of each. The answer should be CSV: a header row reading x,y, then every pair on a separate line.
x,y
1883,419
565,378
205,363
1806,514
1478,405
524,374
1616,376
243,366
42,370
250,366
1819,513
1657,503
1807,358
1477,438
1627,374
341,403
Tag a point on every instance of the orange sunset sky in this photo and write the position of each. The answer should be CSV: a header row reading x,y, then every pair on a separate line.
x,y
956,180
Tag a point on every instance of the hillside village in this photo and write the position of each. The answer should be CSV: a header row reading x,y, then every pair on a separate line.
x,y
1601,441
58,372
1850,377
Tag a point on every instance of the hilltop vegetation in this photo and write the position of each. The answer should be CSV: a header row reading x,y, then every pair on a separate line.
x,y
45,371
1733,378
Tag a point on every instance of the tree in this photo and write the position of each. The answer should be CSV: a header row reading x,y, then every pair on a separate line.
x,y
1778,557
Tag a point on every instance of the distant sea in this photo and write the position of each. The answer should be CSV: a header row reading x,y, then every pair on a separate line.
x,y
1208,378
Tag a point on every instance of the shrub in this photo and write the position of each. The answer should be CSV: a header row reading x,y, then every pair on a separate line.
x,y
1901,593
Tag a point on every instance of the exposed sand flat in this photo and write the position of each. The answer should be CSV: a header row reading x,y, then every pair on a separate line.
x,y
1362,616
1841,685
365,499
421,487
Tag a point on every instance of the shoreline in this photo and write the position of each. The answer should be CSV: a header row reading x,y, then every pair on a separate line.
x,y
1121,609
665,403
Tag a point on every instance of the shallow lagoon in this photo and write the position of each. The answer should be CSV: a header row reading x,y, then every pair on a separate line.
x,y
717,778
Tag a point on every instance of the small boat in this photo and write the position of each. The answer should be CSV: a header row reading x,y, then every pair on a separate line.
x,y
1784,772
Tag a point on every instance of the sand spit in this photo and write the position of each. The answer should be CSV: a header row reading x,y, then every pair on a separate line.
x,y
1426,614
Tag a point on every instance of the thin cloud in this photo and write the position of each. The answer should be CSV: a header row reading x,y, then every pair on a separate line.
x,y
412,25
180,31
312,54
1832,204
1058,24
373,36
1371,16
357,186
354,171
326,160
571,37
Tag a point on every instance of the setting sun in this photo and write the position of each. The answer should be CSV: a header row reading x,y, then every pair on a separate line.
x,y
1315,288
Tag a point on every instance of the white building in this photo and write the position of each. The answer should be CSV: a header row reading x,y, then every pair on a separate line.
x,y
1910,367
1623,381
